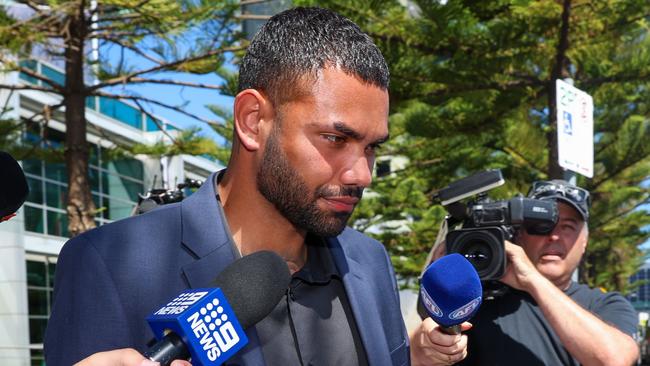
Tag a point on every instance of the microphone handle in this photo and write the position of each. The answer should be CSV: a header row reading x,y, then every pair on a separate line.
x,y
454,329
168,349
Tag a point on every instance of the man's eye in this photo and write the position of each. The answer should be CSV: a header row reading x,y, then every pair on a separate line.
x,y
568,227
334,139
373,148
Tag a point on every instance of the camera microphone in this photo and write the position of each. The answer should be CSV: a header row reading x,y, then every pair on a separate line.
x,y
208,324
450,292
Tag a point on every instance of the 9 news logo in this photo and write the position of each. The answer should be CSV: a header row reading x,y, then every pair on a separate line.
x,y
213,330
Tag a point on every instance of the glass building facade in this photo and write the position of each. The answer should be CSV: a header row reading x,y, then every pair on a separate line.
x,y
640,298
115,185
40,285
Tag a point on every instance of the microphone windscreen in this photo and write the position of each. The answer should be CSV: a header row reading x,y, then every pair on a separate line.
x,y
13,185
254,285
451,290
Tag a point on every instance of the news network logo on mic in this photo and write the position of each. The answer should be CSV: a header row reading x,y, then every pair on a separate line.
x,y
430,304
457,314
205,321
465,310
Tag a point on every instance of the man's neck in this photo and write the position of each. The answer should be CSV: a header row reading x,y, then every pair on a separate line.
x,y
255,224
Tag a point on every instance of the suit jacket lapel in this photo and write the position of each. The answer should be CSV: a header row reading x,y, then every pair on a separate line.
x,y
362,298
205,237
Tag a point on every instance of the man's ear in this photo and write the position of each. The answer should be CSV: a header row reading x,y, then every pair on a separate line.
x,y
251,109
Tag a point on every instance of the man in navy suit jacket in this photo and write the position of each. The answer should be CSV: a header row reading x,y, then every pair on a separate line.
x,y
312,109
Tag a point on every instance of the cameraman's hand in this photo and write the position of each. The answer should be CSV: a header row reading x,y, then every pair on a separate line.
x,y
430,346
520,271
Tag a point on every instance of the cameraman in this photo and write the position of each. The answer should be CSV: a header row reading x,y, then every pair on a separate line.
x,y
546,318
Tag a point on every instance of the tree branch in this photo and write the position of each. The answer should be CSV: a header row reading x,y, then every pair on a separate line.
x,y
155,120
621,213
174,82
136,50
127,78
13,87
159,103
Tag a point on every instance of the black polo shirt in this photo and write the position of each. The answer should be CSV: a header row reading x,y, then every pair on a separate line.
x,y
313,323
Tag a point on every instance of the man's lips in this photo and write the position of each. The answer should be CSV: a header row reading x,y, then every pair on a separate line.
x,y
551,255
343,203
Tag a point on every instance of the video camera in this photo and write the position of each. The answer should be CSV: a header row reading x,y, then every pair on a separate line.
x,y
482,225
161,196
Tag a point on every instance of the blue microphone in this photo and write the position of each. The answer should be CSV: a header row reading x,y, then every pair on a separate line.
x,y
451,292
207,324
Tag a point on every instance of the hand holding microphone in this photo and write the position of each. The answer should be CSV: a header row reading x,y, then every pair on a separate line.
x,y
450,294
207,324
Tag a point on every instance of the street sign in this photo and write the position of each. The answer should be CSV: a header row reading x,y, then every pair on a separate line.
x,y
575,129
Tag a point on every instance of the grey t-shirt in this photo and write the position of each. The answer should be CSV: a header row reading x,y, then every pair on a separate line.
x,y
511,330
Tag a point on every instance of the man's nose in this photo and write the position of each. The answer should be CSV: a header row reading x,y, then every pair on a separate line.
x,y
358,172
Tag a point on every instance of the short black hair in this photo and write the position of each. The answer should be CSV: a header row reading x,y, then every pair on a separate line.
x,y
299,42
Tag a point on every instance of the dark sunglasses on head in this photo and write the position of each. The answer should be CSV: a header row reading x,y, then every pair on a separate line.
x,y
544,188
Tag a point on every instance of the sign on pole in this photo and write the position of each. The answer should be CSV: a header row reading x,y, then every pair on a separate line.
x,y
575,129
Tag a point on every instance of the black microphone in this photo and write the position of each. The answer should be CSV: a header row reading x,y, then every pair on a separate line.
x,y
207,324
13,186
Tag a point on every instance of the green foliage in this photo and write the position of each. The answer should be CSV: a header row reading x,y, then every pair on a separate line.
x,y
470,84
189,141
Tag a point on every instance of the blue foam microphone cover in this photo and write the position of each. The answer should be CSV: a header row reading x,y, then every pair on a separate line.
x,y
451,291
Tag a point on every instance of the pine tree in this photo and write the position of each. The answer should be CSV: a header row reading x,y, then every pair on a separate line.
x,y
152,40
473,88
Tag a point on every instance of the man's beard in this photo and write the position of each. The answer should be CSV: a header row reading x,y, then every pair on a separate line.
x,y
285,188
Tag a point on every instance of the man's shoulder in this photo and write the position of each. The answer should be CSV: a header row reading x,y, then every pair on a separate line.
x,y
161,224
597,299
352,237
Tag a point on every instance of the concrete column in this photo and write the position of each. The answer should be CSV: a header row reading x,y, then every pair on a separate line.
x,y
14,323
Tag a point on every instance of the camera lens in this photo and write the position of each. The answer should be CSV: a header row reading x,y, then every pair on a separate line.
x,y
483,248
478,254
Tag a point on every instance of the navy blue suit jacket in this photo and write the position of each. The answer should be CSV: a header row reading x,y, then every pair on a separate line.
x,y
108,280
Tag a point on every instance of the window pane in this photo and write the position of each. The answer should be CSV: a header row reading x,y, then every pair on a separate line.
x,y
55,195
131,168
98,205
93,158
35,190
54,75
33,219
32,166
122,188
50,276
37,357
152,125
57,223
28,64
93,176
121,112
35,273
56,171
116,210
91,102
36,330
37,302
